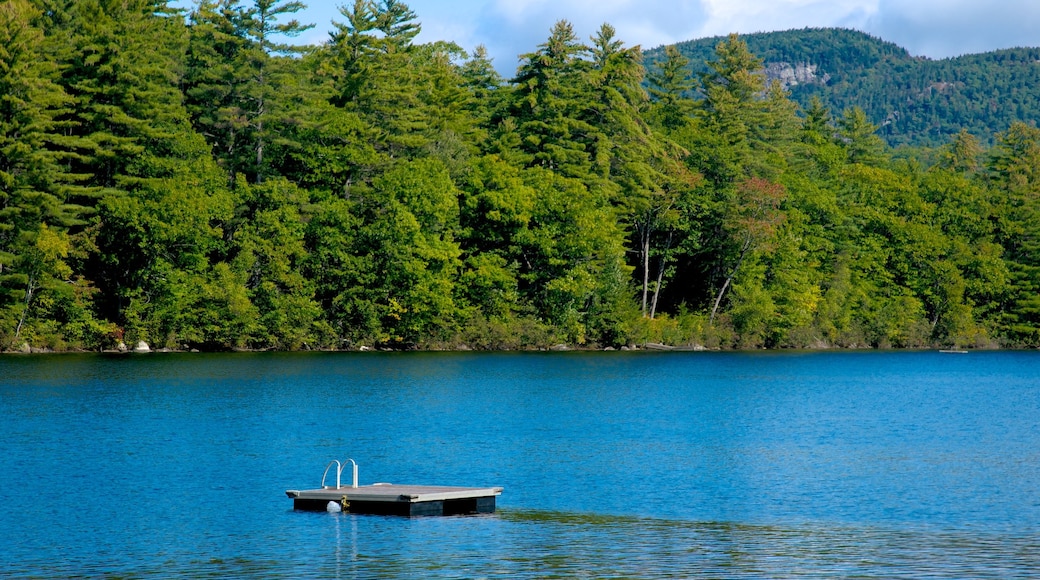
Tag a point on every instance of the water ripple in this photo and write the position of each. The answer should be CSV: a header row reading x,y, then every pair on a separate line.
x,y
675,465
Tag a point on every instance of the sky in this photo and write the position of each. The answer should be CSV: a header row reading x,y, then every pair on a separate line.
x,y
510,28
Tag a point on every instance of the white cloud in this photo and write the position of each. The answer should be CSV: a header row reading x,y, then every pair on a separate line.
x,y
509,28
748,16
513,27
935,28
941,28
519,12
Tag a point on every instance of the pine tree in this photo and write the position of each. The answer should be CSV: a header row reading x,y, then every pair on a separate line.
x,y
732,112
38,194
162,204
859,137
671,87
264,95
645,169
548,101
215,85
1014,165
239,83
575,268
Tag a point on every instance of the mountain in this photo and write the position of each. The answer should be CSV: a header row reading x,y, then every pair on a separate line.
x,y
913,100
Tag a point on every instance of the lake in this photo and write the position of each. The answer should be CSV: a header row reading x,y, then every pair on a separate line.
x,y
614,464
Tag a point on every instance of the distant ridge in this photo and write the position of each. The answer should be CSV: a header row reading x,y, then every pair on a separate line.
x,y
915,101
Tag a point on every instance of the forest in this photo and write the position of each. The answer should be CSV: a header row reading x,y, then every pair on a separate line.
x,y
916,101
192,180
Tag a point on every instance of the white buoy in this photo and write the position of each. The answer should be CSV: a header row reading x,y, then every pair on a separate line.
x,y
333,507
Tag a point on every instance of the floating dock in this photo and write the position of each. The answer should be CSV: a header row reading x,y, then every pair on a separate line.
x,y
391,499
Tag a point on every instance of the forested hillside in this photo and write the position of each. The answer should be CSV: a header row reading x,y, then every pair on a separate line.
x,y
915,101
189,181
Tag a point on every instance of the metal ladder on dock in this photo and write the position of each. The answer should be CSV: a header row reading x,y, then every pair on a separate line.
x,y
339,471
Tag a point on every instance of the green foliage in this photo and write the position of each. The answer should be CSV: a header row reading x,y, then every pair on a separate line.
x,y
671,86
242,96
199,184
915,101
1013,166
269,253
43,302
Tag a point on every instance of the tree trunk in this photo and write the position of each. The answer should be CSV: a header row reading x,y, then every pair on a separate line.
x,y
657,290
260,130
30,290
732,273
644,245
660,275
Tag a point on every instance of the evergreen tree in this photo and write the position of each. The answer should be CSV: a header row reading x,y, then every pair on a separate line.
x,y
671,87
646,169
548,102
1014,165
859,137
732,111
157,235
238,82
741,196
818,152
410,95
483,81
38,195
268,74
577,272
962,154
216,82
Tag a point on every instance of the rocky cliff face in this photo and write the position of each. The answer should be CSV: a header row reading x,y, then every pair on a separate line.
x,y
798,74
918,101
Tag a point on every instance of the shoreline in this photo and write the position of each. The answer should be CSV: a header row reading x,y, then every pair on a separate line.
x,y
647,347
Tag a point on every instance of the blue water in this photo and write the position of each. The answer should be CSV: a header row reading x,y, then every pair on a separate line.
x,y
623,464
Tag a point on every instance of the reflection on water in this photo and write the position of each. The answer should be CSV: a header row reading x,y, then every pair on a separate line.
x,y
641,547
538,544
628,465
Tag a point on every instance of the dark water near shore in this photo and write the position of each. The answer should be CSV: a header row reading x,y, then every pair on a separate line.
x,y
864,464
